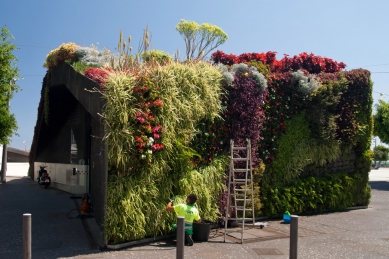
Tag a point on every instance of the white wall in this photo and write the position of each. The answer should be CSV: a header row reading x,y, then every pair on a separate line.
x,y
1,154
17,169
62,176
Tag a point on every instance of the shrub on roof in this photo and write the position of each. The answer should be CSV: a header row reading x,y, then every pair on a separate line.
x,y
64,52
93,56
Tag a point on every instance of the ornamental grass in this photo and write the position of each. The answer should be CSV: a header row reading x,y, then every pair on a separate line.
x,y
150,117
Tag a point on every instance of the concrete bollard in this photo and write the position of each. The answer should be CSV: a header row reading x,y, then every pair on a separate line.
x,y
26,236
294,224
180,237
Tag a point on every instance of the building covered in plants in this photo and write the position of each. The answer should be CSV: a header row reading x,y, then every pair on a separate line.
x,y
140,129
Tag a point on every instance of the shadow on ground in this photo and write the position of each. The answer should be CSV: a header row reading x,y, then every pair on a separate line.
x,y
379,185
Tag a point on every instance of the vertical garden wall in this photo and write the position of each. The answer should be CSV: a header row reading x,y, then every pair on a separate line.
x,y
315,137
168,125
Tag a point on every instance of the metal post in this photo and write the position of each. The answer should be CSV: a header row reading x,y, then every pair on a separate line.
x,y
294,224
180,237
4,158
4,165
375,145
26,236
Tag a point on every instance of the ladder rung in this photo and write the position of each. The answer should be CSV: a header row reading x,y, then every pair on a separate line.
x,y
246,224
241,219
239,148
240,159
241,170
241,208
240,195
241,190
242,180
234,230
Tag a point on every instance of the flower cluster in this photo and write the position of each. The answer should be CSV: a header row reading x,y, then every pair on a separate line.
x,y
304,61
149,133
219,57
157,147
96,74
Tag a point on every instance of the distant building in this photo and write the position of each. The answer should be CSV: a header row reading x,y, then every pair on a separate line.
x,y
17,155
14,155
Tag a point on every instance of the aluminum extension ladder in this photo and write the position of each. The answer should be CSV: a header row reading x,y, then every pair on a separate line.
x,y
240,190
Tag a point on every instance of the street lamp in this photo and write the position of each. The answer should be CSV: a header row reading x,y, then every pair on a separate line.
x,y
4,158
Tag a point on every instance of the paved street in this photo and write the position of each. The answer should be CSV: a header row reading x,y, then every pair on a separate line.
x,y
358,233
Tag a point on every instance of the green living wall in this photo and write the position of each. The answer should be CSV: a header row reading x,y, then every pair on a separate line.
x,y
169,123
315,137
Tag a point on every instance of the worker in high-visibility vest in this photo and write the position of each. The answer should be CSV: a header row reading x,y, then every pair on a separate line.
x,y
189,212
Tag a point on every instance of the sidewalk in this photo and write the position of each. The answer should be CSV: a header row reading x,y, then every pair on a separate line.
x,y
53,234
359,233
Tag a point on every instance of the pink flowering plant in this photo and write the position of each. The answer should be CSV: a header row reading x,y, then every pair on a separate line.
x,y
149,134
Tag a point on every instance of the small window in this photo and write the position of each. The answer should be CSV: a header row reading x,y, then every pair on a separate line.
x,y
73,149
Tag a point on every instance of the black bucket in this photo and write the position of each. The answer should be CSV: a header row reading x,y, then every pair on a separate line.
x,y
201,231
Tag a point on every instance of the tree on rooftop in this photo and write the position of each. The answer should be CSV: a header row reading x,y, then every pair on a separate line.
x,y
8,75
201,38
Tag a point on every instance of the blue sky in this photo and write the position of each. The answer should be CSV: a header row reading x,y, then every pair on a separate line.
x,y
354,32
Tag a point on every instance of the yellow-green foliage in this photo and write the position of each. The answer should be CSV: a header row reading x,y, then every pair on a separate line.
x,y
136,207
137,194
60,54
157,56
136,203
119,110
190,92
201,38
207,183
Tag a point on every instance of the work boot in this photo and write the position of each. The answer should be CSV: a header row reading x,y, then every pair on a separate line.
x,y
188,240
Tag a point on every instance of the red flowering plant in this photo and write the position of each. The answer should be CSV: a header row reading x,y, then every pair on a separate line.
x,y
310,63
304,61
148,136
97,74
